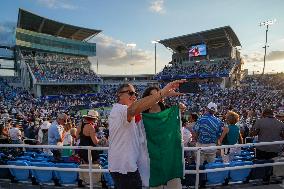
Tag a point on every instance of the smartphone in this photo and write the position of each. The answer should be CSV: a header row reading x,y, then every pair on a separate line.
x,y
189,87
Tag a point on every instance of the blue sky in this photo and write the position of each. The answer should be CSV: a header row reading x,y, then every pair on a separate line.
x,y
141,21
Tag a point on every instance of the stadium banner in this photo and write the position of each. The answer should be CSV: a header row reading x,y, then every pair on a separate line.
x,y
162,155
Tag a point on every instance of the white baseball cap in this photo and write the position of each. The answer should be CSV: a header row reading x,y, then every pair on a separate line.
x,y
212,106
92,114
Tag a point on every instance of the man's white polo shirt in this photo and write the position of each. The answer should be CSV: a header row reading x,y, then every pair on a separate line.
x,y
123,141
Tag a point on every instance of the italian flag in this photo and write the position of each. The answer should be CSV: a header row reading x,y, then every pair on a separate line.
x,y
161,157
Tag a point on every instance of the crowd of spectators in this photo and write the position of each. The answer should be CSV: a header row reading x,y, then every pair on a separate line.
x,y
175,70
66,89
60,68
256,93
25,117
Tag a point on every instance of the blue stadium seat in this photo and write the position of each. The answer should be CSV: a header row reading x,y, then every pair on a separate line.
x,y
39,159
20,174
42,155
107,178
31,154
103,161
216,177
239,158
241,174
103,158
27,158
66,177
45,176
249,157
104,155
219,159
246,153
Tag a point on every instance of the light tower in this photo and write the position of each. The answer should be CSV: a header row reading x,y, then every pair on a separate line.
x,y
267,24
155,42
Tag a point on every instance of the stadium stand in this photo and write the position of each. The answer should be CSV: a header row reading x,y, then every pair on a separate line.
x,y
51,54
59,80
217,57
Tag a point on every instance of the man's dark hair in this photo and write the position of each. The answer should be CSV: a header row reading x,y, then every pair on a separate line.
x,y
212,112
194,116
267,112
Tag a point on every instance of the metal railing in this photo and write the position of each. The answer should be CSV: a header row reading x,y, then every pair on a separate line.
x,y
197,171
198,150
89,148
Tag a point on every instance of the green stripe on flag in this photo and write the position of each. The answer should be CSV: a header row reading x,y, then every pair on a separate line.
x,y
164,143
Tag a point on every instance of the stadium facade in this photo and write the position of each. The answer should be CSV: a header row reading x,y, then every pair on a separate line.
x,y
43,44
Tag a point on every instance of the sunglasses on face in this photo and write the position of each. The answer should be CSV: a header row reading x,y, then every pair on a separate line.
x,y
131,93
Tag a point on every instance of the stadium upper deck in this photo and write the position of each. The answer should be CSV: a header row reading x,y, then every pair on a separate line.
x,y
207,54
52,53
36,32
216,40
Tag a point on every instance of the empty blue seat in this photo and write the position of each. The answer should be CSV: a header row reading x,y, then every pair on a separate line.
x,y
42,155
20,174
241,174
219,159
245,153
249,157
40,159
102,158
107,178
103,155
32,154
43,176
28,158
66,177
216,177
239,158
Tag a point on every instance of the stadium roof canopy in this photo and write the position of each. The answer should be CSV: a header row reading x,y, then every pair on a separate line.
x,y
33,22
212,38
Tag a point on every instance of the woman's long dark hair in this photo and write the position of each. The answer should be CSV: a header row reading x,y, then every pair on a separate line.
x,y
147,92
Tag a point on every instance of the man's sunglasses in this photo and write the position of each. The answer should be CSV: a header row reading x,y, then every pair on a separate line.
x,y
131,93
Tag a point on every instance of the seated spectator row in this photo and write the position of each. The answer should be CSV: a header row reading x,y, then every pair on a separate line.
x,y
176,70
51,57
62,68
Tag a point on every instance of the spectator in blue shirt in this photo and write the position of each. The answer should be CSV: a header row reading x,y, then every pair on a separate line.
x,y
207,131
56,134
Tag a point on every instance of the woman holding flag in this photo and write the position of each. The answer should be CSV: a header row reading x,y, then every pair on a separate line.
x,y
124,139
162,138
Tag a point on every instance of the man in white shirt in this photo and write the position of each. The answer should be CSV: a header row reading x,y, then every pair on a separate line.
x,y
124,144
